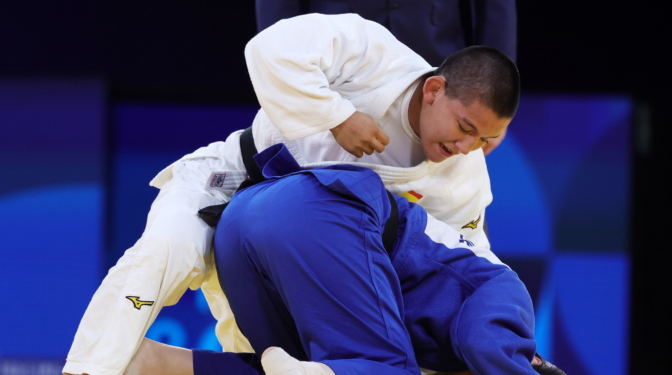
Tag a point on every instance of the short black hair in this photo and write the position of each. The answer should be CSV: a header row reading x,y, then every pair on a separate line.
x,y
483,73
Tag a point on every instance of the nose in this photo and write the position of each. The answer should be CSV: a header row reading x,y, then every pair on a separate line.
x,y
467,144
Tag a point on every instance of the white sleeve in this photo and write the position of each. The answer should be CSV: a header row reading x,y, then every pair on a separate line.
x,y
305,69
441,232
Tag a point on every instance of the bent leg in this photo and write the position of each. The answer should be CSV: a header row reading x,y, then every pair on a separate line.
x,y
304,269
228,334
156,358
154,273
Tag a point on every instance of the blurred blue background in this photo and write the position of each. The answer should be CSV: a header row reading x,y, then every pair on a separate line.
x,y
97,97
559,216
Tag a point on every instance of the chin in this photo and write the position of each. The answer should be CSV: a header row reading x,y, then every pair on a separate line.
x,y
438,158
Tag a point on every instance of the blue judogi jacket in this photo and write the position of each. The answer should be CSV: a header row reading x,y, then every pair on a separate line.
x,y
461,311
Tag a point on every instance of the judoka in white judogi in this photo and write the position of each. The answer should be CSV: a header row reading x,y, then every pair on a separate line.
x,y
310,73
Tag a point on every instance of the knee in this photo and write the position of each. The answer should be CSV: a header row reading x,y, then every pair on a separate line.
x,y
170,242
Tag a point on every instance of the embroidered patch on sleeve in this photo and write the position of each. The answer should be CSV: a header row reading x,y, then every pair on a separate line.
x,y
412,196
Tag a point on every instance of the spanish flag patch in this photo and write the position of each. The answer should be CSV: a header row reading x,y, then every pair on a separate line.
x,y
411,196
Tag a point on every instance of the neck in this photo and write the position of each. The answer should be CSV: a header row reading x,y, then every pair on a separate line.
x,y
414,108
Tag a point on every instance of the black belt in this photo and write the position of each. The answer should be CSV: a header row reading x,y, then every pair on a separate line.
x,y
212,214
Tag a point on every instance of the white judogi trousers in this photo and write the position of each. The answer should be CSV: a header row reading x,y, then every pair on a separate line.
x,y
172,255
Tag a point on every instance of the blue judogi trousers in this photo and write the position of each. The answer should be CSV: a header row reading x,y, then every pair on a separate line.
x,y
301,260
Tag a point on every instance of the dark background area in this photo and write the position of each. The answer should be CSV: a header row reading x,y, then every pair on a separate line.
x,y
192,51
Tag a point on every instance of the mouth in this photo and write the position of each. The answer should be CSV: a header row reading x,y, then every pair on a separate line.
x,y
445,150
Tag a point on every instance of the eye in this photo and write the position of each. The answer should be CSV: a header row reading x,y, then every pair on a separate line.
x,y
484,140
463,129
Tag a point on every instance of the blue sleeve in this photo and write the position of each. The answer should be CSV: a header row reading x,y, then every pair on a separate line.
x,y
460,308
493,331
208,362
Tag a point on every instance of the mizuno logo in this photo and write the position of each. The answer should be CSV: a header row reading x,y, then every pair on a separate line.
x,y
473,224
138,304
469,243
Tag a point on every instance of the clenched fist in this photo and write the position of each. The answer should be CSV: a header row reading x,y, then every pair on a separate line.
x,y
360,135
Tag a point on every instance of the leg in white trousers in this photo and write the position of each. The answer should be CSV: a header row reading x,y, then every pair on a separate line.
x,y
174,253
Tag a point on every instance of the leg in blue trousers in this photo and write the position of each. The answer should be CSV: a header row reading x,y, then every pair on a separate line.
x,y
304,268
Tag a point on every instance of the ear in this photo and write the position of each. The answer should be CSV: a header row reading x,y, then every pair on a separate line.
x,y
434,87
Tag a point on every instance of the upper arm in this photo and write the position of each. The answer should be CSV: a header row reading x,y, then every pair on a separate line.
x,y
291,65
307,70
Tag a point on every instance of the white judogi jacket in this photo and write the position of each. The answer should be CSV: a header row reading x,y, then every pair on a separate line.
x,y
310,74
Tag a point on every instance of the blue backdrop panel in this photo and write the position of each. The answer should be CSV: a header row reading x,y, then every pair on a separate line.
x,y
51,216
51,239
561,185
51,132
565,159
591,305
560,180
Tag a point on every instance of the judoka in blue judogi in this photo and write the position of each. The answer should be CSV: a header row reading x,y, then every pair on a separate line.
x,y
302,262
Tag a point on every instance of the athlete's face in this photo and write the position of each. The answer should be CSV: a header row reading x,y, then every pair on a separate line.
x,y
447,127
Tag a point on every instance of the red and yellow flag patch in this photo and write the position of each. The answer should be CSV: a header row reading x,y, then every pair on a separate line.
x,y
412,196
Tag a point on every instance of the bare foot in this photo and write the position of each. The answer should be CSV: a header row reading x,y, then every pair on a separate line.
x,y
276,361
